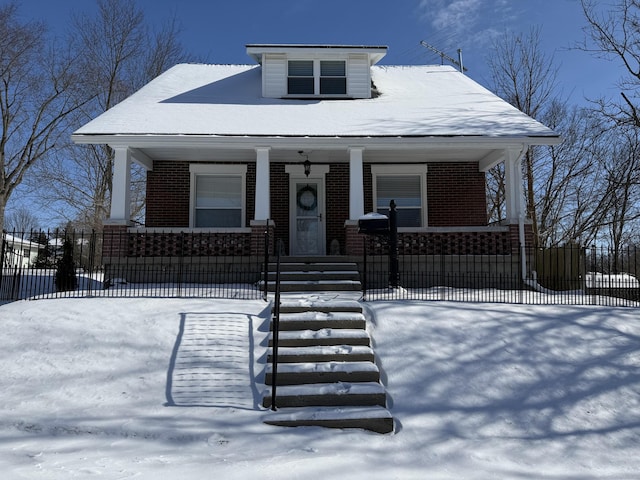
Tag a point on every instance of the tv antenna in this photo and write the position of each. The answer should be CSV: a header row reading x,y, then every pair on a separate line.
x,y
443,56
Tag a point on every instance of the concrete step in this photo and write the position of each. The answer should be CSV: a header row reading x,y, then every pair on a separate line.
x,y
320,267
310,276
376,419
328,394
315,320
304,305
324,336
323,372
316,286
323,353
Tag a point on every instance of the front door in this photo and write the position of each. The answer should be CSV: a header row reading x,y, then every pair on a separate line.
x,y
307,216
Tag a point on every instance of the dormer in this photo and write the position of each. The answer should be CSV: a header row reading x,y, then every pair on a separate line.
x,y
316,71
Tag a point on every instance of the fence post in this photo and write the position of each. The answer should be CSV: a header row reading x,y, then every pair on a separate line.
x,y
393,245
364,268
265,293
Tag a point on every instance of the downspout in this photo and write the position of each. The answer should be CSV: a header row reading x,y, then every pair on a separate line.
x,y
521,235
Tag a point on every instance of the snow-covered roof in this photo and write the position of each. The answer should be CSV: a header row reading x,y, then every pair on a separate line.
x,y
226,100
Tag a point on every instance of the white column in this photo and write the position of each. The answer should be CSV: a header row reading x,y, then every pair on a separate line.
x,y
121,188
513,186
356,183
263,199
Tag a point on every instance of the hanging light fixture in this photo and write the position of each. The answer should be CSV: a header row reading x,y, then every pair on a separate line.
x,y
306,163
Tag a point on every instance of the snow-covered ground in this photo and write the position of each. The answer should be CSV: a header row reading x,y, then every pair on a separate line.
x,y
170,388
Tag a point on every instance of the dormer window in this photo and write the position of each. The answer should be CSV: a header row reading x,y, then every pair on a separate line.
x,y
316,77
333,77
316,71
300,80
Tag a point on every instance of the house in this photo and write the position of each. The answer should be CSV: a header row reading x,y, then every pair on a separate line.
x,y
302,143
18,252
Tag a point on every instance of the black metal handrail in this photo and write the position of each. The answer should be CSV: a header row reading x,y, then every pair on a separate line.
x,y
275,334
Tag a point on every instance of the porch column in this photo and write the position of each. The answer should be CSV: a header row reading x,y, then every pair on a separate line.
x,y
121,189
356,183
513,186
262,200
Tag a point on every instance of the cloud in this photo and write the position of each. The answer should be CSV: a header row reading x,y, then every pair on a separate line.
x,y
454,15
466,22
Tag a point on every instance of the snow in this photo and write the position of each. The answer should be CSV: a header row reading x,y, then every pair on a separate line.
x,y
171,388
226,100
603,280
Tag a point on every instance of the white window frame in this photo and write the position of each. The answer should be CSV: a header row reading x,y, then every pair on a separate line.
x,y
403,170
220,170
316,77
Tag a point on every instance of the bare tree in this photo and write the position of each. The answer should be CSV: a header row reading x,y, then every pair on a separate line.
x,y
616,34
21,220
525,77
37,93
118,54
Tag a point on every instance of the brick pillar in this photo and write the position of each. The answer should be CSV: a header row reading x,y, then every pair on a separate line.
x,y
115,241
258,228
354,240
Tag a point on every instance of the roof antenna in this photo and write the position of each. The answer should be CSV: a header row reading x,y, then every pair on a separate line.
x,y
457,63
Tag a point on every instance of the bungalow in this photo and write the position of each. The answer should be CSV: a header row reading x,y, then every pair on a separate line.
x,y
306,141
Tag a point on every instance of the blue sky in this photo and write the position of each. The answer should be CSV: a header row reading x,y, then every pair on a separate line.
x,y
218,31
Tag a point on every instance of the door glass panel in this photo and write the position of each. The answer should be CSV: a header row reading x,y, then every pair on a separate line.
x,y
307,222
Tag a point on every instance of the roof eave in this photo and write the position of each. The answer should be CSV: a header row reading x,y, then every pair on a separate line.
x,y
374,141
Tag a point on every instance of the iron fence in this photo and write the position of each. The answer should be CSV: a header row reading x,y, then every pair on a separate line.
x,y
570,274
220,266
31,264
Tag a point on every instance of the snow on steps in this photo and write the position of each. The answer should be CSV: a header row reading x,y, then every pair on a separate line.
x,y
301,373
324,336
329,394
376,419
326,372
323,353
317,320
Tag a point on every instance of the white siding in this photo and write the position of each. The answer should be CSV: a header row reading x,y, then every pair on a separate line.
x,y
274,75
358,76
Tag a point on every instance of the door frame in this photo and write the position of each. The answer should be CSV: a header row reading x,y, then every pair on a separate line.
x,y
317,175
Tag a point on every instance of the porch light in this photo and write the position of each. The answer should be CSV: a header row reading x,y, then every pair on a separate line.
x,y
306,163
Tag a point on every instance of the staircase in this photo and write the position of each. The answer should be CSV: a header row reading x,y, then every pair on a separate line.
x,y
309,274
327,374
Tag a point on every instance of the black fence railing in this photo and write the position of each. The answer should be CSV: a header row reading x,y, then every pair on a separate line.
x,y
68,264
71,264
561,275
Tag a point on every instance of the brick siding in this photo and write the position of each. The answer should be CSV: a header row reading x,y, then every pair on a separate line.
x,y
456,195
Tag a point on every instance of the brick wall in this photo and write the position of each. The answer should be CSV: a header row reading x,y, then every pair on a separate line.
x,y
168,191
279,182
337,203
168,195
456,195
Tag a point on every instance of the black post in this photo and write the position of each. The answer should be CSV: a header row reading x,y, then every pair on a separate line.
x,y
393,245
265,293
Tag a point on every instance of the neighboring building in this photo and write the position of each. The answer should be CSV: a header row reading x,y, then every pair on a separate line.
x,y
18,252
309,139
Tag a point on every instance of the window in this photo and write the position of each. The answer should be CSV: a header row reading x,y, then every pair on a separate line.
x,y
405,185
333,78
300,80
217,196
324,77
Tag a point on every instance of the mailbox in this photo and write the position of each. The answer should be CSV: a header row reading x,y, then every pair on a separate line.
x,y
373,224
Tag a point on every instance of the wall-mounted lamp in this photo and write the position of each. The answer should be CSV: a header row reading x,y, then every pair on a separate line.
x,y
306,163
